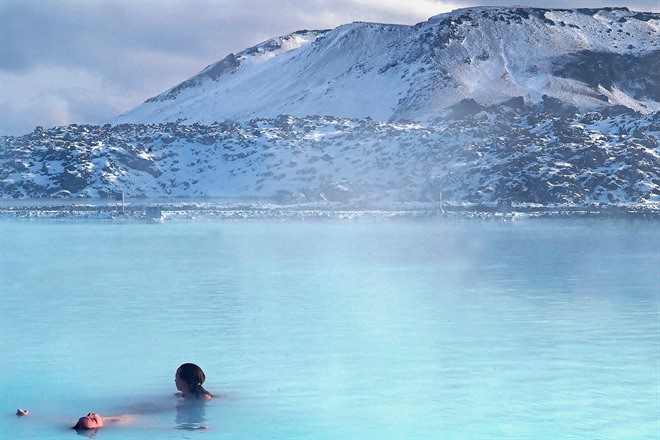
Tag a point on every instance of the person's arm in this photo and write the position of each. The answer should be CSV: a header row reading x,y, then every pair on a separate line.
x,y
121,419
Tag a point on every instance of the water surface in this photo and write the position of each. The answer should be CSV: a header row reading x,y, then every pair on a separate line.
x,y
334,329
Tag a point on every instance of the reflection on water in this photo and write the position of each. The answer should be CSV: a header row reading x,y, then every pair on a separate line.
x,y
89,433
191,414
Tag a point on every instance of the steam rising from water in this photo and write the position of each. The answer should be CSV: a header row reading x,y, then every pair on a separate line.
x,y
350,329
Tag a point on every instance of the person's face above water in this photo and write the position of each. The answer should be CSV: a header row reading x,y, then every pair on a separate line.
x,y
90,421
181,385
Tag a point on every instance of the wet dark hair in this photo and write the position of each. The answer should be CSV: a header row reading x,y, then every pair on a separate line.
x,y
194,377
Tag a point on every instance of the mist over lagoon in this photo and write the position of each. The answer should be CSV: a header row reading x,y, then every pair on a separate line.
x,y
337,328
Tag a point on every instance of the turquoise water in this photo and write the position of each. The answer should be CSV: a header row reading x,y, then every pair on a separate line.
x,y
334,329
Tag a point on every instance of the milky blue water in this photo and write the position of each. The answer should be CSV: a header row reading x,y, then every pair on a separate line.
x,y
334,329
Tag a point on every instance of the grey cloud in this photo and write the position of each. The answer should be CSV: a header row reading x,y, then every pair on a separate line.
x,y
16,37
85,36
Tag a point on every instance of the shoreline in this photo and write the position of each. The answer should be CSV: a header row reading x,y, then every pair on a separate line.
x,y
193,210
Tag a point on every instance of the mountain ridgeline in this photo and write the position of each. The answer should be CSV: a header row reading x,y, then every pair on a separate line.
x,y
586,58
481,105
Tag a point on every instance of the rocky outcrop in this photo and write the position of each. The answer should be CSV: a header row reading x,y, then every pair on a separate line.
x,y
489,156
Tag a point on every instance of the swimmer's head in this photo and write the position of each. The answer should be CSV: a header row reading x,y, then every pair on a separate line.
x,y
189,379
90,421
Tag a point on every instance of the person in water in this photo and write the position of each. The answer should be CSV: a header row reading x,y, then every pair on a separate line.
x,y
188,380
90,421
95,421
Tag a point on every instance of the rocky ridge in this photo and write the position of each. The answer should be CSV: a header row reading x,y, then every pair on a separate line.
x,y
488,156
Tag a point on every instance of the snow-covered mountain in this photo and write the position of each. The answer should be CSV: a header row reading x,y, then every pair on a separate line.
x,y
481,105
500,153
588,58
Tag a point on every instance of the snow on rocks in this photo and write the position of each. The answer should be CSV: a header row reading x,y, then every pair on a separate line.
x,y
498,154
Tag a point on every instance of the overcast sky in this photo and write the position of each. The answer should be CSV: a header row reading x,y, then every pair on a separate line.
x,y
64,62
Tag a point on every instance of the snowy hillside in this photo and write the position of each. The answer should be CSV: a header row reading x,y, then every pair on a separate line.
x,y
559,108
500,153
589,58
